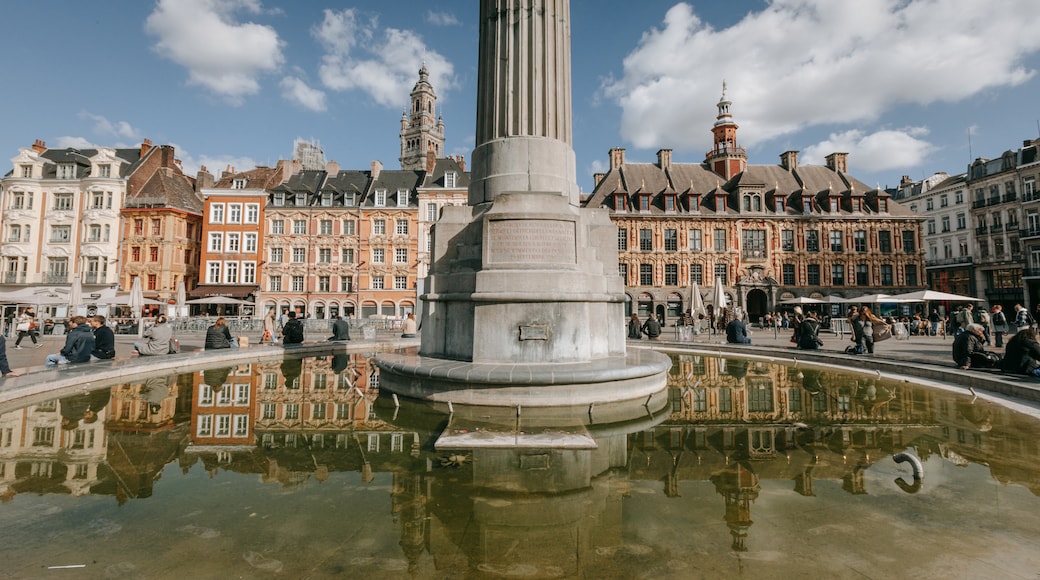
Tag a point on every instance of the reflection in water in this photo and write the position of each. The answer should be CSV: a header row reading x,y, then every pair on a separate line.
x,y
299,466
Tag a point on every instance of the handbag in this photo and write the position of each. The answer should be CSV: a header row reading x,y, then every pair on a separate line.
x,y
882,331
22,326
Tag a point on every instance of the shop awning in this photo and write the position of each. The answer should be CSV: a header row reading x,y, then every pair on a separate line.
x,y
227,290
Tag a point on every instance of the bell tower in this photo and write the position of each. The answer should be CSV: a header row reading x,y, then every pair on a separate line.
x,y
725,158
421,130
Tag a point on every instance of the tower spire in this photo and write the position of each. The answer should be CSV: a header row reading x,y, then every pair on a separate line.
x,y
726,158
421,130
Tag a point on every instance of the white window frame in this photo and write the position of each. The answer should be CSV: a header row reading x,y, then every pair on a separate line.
x,y
216,213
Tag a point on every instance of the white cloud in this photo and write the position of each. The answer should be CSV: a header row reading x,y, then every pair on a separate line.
x,y
105,127
799,63
221,53
383,62
441,18
299,92
67,141
879,151
215,164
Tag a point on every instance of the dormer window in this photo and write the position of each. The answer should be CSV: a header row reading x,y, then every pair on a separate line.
x,y
669,203
620,203
695,203
834,205
857,204
449,179
380,199
349,200
27,171
807,205
301,200
326,199
753,202
402,198
66,171
781,204
279,199
644,203
104,170
238,184
882,205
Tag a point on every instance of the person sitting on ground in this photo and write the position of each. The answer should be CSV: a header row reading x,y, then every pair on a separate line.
x,y
736,332
634,331
157,339
969,348
651,328
340,329
408,329
219,336
1023,353
79,343
104,339
292,330
808,333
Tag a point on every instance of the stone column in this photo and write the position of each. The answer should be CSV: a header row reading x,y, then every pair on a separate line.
x,y
523,101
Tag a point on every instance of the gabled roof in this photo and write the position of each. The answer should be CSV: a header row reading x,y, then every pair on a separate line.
x,y
393,180
347,181
435,178
167,188
257,178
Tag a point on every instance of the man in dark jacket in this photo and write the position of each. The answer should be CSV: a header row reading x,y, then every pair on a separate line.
x,y
340,329
292,330
104,339
651,328
78,344
969,348
736,332
1023,354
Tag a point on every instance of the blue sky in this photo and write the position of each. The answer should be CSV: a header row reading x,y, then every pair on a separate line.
x,y
898,84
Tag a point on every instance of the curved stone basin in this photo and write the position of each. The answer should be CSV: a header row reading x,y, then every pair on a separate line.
x,y
299,467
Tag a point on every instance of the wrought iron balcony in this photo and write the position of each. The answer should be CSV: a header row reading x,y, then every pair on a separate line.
x,y
1029,232
949,261
14,277
55,278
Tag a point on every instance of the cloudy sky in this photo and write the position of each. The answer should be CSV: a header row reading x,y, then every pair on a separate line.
x,y
906,87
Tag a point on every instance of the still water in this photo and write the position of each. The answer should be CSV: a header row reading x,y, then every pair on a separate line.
x,y
299,469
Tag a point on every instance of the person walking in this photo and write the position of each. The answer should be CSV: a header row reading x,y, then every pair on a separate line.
x,y
1022,318
157,339
1000,325
292,330
986,322
79,343
218,336
270,327
867,322
935,319
26,326
104,339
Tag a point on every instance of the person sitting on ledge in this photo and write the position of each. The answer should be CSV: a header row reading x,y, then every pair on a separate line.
x,y
969,348
104,339
78,344
292,330
736,332
408,329
340,329
808,333
218,336
158,339
1023,354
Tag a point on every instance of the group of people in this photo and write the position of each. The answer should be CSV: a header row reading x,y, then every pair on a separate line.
x,y
87,339
1021,354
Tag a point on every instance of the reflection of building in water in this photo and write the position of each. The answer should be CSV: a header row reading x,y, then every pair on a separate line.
x,y
222,408
57,446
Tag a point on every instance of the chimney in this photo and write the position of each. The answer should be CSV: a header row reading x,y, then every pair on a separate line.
x,y
39,146
789,160
905,181
617,158
431,161
838,162
332,168
597,178
664,158
461,160
377,168
203,179
146,145
166,156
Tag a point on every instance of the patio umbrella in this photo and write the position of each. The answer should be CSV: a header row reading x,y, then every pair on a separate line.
x,y
802,300
182,309
718,295
75,294
136,302
696,301
930,295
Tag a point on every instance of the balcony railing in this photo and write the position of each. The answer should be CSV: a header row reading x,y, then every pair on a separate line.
x,y
1008,197
754,254
1031,273
14,277
996,228
92,278
981,230
978,203
993,200
54,278
1029,232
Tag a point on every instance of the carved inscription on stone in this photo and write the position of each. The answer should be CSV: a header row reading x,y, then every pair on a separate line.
x,y
531,241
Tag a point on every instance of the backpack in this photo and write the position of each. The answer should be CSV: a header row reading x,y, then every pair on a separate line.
x,y
292,332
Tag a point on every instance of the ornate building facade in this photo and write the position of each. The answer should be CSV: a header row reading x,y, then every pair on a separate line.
x,y
766,233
